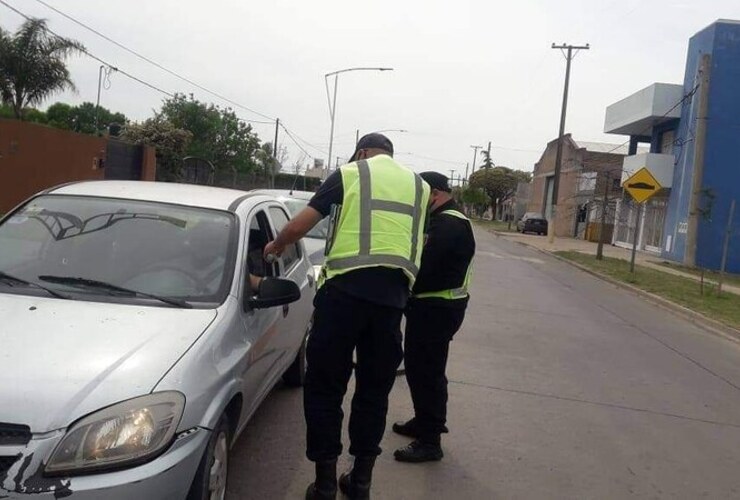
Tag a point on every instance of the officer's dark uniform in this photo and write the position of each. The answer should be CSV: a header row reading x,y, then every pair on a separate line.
x,y
361,308
432,322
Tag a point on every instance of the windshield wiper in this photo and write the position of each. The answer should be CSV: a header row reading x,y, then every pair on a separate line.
x,y
10,278
88,283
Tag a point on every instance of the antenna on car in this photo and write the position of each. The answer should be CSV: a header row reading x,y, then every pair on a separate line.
x,y
292,188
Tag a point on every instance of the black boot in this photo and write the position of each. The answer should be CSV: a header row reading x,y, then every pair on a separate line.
x,y
419,451
408,428
356,483
325,486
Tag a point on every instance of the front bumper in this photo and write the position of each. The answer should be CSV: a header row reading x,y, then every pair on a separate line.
x,y
167,477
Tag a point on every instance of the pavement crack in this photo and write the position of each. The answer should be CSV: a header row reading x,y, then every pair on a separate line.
x,y
595,403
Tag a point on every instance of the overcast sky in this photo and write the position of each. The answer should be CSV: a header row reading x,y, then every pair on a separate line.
x,y
465,72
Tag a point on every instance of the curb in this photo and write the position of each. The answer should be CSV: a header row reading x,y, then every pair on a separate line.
x,y
706,323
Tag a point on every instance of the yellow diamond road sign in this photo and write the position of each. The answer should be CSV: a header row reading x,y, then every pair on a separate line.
x,y
642,185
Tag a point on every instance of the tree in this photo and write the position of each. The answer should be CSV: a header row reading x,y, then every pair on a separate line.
x,y
170,142
498,183
218,135
475,198
32,65
85,118
487,162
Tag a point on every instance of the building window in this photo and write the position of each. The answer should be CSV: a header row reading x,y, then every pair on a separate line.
x,y
587,181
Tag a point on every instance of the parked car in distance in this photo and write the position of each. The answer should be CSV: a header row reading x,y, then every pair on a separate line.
x,y
315,240
134,346
532,222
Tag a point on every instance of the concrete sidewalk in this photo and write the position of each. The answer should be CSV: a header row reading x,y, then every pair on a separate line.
x,y
641,259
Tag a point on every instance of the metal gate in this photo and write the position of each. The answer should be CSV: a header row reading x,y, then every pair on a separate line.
x,y
123,161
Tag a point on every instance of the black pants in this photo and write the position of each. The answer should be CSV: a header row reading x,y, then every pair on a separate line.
x,y
342,324
429,330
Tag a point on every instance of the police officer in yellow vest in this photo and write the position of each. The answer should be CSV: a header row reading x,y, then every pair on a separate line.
x,y
434,314
372,261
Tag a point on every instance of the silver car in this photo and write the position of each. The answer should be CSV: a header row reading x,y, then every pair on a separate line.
x,y
133,349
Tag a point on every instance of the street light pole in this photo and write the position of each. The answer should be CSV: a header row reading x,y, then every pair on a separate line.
x,y
333,104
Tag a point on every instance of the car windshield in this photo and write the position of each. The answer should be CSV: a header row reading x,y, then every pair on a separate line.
x,y
295,205
86,246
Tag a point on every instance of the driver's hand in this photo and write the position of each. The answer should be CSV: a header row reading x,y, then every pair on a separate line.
x,y
272,249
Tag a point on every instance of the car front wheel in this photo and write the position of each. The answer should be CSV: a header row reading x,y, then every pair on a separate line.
x,y
210,479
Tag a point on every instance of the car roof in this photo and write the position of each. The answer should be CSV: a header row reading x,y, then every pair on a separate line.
x,y
286,193
165,192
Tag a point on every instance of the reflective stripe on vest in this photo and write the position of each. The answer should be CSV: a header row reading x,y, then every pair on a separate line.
x,y
381,220
453,293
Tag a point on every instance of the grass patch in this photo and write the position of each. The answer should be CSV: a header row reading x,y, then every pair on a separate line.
x,y
496,225
730,279
682,291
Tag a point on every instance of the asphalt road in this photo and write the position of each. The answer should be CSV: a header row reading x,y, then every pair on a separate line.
x,y
561,386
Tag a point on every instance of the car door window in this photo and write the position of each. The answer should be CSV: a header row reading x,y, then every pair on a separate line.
x,y
292,254
259,235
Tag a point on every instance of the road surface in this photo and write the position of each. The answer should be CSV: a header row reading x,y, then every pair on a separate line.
x,y
561,386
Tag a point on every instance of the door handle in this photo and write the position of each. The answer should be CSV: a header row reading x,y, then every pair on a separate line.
x,y
311,280
286,308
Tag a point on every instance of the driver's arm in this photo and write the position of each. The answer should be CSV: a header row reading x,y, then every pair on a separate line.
x,y
254,282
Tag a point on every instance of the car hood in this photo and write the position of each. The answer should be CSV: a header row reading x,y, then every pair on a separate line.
x,y
62,359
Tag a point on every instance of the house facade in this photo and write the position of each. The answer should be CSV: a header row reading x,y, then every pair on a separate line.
x,y
692,130
589,172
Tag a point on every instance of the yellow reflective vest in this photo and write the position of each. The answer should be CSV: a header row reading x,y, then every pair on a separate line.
x,y
381,220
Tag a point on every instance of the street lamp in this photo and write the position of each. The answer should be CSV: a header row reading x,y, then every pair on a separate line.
x,y
333,103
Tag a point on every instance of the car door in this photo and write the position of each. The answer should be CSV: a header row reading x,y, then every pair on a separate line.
x,y
294,265
261,326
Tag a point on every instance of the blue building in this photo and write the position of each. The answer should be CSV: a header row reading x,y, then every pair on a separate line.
x,y
694,135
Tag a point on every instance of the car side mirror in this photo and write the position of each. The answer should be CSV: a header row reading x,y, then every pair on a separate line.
x,y
274,292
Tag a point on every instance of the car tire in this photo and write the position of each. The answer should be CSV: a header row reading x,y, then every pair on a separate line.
x,y
295,375
211,477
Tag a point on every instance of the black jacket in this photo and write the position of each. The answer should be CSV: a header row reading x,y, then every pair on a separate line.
x,y
448,250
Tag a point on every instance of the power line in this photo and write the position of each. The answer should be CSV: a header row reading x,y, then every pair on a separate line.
x,y
432,159
304,141
90,54
294,141
155,63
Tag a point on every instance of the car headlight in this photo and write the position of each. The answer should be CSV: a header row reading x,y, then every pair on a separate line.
x,y
125,434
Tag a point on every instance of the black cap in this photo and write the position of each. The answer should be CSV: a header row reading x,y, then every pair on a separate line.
x,y
373,141
437,181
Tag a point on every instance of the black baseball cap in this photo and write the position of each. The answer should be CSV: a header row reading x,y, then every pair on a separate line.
x,y
437,181
373,141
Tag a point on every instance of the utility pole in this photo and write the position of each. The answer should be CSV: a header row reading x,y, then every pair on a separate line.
x,y
467,166
271,177
357,136
700,137
490,162
452,176
604,207
569,55
475,155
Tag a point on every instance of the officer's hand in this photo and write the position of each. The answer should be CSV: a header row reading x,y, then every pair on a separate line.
x,y
272,248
